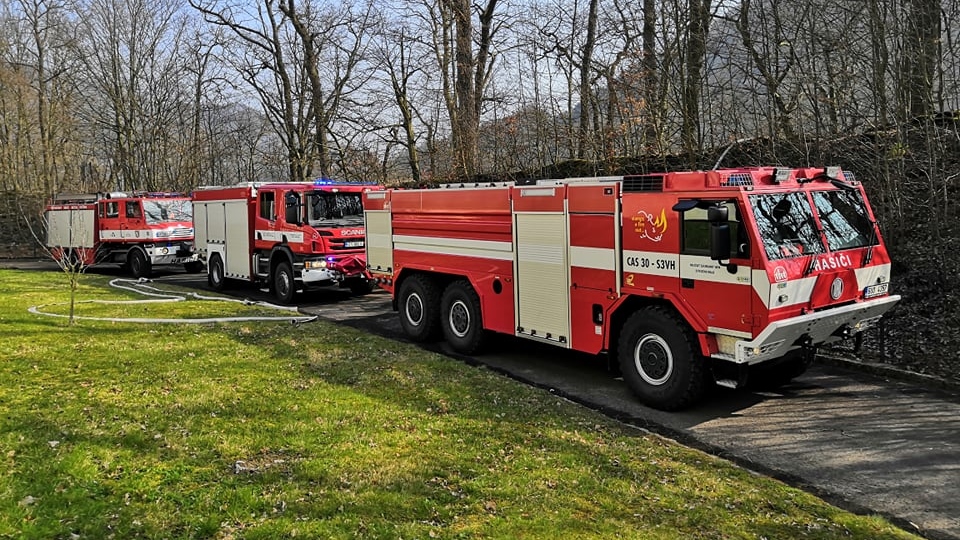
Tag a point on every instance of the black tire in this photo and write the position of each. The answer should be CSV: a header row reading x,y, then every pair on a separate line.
x,y
659,360
140,266
284,284
215,275
361,286
193,267
418,302
777,373
461,318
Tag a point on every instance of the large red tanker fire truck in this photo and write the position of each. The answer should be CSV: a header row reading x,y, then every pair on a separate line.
x,y
137,230
287,236
683,276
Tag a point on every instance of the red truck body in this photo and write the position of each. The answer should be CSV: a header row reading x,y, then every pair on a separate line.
x,y
138,230
683,277
286,236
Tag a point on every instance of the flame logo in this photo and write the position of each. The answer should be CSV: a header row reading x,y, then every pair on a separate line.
x,y
649,226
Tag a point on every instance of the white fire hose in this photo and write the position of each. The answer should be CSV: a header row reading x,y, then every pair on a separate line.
x,y
159,295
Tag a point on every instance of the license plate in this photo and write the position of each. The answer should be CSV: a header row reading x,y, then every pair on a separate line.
x,y
357,243
876,290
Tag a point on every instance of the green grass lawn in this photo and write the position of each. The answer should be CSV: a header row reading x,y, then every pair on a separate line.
x,y
271,430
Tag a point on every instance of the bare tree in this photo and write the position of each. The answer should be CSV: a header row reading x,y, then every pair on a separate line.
x,y
132,86
921,55
262,45
773,58
465,72
699,14
652,121
67,239
396,54
335,38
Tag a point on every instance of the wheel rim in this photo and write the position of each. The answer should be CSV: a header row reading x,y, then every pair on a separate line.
x,y
653,359
413,309
459,319
283,284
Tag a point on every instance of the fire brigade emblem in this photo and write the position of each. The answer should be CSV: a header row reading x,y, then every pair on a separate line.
x,y
836,288
780,274
648,226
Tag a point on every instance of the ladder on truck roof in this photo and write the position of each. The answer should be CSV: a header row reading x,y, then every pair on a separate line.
x,y
75,198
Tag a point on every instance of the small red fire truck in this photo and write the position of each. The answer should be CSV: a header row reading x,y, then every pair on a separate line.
x,y
686,278
287,236
137,230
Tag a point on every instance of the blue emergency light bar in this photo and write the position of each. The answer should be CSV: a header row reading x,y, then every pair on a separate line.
x,y
330,182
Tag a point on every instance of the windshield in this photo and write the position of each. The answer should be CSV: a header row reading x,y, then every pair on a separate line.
x,y
167,211
786,225
844,217
327,206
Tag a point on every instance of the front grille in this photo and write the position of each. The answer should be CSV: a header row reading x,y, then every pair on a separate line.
x,y
181,232
340,244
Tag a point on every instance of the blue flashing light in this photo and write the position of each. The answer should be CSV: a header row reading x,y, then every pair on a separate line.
x,y
330,182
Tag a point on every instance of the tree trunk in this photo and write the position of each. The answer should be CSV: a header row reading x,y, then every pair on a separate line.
x,y
696,53
651,128
586,95
922,55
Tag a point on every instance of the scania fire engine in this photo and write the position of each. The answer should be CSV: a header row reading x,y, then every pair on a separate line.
x,y
686,278
285,236
137,230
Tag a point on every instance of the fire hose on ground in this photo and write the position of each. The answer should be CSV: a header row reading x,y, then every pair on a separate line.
x,y
143,287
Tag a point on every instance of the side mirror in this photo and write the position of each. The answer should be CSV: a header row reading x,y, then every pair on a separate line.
x,y
292,207
719,241
719,232
718,214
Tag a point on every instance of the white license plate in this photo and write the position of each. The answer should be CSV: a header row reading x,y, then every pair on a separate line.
x,y
876,290
358,243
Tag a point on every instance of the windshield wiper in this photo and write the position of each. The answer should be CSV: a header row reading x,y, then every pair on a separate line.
x,y
808,269
843,185
872,241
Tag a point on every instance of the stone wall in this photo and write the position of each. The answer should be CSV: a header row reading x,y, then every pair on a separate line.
x,y
19,212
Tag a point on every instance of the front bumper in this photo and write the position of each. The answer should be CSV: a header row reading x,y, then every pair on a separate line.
x,y
175,254
321,276
779,337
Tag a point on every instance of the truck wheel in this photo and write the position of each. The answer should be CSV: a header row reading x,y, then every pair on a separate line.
x,y
140,266
462,321
418,301
215,275
362,286
284,285
659,361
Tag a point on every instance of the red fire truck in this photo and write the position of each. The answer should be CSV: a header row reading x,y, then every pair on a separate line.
x,y
687,278
286,236
137,230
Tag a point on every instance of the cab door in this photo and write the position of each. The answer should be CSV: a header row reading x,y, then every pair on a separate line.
x,y
719,292
133,225
109,215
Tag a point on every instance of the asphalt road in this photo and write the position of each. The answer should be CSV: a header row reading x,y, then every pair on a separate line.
x,y
865,443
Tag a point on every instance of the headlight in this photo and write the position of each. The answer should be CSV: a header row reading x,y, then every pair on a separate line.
x,y
315,264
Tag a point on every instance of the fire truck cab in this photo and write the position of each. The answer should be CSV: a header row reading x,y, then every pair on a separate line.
x,y
285,236
686,278
138,230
